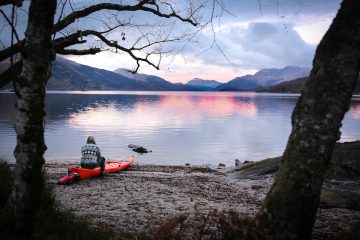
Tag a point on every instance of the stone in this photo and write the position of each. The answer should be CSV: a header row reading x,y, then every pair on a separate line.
x,y
345,164
138,149
237,162
221,165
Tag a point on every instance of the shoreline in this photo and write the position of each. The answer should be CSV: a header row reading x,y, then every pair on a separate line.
x,y
141,198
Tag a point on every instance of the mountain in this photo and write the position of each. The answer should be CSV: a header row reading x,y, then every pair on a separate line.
x,y
264,77
244,83
153,82
295,86
205,85
69,75
268,77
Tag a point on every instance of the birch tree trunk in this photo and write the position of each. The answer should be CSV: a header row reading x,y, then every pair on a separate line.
x,y
290,206
30,86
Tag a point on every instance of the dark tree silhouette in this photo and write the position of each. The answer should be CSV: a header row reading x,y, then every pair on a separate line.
x,y
290,207
37,55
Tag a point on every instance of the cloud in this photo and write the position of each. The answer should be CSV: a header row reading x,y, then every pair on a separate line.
x,y
259,45
247,47
289,9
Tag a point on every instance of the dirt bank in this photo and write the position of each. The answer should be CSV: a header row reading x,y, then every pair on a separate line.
x,y
143,197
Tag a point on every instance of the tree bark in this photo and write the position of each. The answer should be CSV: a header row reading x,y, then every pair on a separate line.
x,y
17,3
290,207
37,55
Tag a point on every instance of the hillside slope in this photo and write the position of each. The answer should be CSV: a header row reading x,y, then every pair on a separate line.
x,y
264,77
295,86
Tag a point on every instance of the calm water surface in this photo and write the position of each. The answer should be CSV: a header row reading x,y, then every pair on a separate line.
x,y
180,127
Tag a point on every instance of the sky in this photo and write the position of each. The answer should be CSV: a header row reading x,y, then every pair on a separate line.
x,y
249,35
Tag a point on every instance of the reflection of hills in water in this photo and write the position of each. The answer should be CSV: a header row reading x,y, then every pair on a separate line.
x,y
145,114
185,105
64,106
61,106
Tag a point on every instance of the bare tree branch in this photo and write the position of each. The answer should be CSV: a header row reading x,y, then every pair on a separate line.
x,y
63,4
79,52
115,45
116,7
11,25
260,7
8,52
9,75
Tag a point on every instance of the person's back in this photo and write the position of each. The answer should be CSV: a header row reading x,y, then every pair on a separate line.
x,y
91,155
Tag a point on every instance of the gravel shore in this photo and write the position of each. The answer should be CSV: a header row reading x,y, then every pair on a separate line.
x,y
143,197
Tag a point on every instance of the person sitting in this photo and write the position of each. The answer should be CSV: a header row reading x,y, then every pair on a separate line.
x,y
91,156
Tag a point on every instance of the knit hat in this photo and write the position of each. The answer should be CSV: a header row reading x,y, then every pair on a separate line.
x,y
91,139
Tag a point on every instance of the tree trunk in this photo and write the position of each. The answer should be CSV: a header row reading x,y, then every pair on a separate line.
x,y
290,207
30,86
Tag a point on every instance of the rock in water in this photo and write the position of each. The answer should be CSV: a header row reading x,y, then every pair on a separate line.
x,y
237,162
138,149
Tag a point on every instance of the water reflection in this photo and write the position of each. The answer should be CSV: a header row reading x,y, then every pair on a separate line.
x,y
213,106
167,111
355,111
184,127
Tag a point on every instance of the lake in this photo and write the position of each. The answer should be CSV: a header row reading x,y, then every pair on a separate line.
x,y
179,127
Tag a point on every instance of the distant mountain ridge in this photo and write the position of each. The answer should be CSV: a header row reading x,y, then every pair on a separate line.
x,y
264,77
153,82
205,85
69,75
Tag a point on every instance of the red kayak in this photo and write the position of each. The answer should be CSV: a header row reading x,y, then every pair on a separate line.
x,y
77,173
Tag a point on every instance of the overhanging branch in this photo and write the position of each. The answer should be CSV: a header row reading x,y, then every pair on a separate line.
x,y
71,39
79,52
116,7
10,74
8,52
11,25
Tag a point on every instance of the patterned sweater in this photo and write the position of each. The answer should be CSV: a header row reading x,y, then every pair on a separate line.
x,y
90,153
